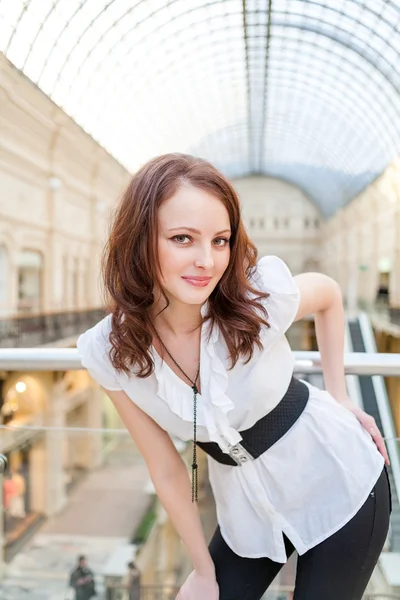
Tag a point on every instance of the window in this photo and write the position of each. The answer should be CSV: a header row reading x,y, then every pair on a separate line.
x,y
4,281
75,284
65,281
30,284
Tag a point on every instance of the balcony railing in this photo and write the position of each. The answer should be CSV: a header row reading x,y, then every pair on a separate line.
x,y
64,359
147,592
382,597
154,592
44,328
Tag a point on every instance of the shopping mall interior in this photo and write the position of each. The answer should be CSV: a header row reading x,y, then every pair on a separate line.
x,y
297,103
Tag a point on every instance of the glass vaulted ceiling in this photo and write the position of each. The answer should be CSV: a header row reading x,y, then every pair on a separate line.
x,y
307,91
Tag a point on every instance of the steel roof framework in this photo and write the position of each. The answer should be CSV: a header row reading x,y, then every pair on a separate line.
x,y
304,90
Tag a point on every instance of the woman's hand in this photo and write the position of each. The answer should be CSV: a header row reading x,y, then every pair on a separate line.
x,y
370,425
199,587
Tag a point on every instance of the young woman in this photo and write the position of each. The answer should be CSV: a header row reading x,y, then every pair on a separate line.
x,y
194,347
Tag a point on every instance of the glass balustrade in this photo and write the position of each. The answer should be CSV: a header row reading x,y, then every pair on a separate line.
x,y
75,484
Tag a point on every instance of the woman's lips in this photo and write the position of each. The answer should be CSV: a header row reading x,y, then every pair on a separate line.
x,y
198,281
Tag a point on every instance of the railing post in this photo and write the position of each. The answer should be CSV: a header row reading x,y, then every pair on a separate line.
x,y
2,544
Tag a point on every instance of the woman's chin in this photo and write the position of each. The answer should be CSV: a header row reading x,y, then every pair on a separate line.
x,y
197,296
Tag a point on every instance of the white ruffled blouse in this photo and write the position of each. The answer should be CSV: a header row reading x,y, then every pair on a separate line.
x,y
308,484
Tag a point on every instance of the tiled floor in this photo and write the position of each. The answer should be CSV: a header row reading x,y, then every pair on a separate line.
x,y
102,513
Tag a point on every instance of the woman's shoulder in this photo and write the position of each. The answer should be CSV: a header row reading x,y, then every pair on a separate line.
x,y
100,332
93,349
272,275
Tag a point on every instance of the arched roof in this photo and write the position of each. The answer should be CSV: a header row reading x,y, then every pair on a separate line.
x,y
303,90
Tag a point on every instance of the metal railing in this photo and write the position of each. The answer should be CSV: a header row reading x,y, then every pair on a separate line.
x,y
154,592
147,592
45,328
382,597
63,359
161,592
376,402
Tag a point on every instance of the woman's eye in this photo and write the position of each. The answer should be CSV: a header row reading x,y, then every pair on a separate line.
x,y
221,241
181,239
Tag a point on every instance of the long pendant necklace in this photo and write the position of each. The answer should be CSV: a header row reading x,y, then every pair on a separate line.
x,y
195,482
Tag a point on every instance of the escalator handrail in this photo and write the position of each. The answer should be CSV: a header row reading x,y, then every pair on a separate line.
x,y
385,412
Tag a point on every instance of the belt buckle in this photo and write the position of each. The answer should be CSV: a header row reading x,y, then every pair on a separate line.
x,y
239,454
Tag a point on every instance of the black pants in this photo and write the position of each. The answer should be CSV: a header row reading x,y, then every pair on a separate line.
x,y
338,568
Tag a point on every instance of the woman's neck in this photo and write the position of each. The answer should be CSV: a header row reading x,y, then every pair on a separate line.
x,y
177,319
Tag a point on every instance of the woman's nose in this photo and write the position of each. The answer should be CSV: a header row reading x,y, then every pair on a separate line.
x,y
205,258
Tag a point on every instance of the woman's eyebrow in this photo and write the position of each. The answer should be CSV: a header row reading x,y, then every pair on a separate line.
x,y
197,231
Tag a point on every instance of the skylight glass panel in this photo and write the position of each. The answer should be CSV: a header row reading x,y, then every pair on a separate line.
x,y
316,102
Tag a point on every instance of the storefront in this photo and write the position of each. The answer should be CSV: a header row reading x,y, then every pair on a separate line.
x,y
23,493
22,487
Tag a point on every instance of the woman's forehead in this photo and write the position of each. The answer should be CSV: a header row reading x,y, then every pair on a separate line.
x,y
191,205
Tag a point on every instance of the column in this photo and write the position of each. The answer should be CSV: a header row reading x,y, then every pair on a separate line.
x,y
13,279
81,283
92,444
2,563
374,272
394,289
56,497
343,253
38,476
364,260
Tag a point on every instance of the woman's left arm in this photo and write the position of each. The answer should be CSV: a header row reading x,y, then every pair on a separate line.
x,y
321,296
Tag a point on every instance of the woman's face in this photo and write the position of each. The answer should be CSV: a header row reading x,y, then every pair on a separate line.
x,y
193,244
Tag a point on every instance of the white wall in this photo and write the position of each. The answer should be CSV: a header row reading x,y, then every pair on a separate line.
x,y
363,239
57,188
275,215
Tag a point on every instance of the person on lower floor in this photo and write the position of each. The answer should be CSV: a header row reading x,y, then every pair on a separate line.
x,y
132,582
82,580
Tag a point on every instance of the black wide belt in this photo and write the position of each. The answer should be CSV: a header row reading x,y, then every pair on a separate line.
x,y
267,431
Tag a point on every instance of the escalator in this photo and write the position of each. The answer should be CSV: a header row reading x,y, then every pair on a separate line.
x,y
371,405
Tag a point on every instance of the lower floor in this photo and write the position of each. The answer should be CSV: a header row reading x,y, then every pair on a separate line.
x,y
102,513
21,512
48,455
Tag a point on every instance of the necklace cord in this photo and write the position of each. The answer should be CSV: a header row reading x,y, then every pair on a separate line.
x,y
195,479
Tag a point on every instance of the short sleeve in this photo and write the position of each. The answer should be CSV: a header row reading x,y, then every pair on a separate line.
x,y
93,349
274,277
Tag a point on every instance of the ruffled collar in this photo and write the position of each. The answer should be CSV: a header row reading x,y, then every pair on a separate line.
x,y
213,404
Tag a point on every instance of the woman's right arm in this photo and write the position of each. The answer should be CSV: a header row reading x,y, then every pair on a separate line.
x,y
172,484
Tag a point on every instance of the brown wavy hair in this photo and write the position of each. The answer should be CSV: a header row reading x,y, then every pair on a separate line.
x,y
130,265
